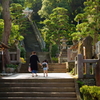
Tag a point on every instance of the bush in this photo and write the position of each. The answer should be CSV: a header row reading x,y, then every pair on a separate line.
x,y
22,60
80,83
54,51
72,71
11,66
22,52
54,60
90,92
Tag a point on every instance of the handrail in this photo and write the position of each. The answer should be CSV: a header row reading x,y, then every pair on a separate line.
x,y
85,64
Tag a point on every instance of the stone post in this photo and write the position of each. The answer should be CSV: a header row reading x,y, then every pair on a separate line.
x,y
80,65
68,54
97,73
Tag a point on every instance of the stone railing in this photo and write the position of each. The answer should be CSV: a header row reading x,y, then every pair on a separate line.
x,y
71,55
14,58
85,68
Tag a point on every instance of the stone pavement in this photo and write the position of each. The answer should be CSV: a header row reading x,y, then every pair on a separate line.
x,y
40,76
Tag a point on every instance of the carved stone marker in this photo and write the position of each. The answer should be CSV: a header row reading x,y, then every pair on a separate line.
x,y
97,51
87,44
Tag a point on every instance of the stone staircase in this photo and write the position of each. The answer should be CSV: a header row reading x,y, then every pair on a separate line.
x,y
53,68
38,89
56,68
42,56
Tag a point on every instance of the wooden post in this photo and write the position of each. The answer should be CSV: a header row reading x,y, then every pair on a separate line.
x,y
80,65
97,73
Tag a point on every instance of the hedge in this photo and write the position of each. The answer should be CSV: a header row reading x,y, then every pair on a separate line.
x,y
90,92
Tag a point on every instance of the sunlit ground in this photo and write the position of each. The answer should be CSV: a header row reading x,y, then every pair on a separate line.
x,y
40,76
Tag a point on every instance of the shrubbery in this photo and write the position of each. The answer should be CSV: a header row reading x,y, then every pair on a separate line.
x,y
54,60
22,60
90,92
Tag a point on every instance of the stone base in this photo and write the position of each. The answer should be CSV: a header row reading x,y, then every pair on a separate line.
x,y
70,66
62,59
10,70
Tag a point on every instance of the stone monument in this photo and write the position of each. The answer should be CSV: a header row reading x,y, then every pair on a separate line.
x,y
97,50
63,51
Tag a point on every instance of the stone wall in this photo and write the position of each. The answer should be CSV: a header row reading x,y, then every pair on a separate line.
x,y
44,55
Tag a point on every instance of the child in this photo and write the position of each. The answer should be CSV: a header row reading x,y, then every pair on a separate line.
x,y
45,67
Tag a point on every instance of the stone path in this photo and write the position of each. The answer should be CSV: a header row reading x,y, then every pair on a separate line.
x,y
40,76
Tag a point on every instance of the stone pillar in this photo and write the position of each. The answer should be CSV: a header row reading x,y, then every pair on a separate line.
x,y
80,65
97,51
68,54
97,73
87,43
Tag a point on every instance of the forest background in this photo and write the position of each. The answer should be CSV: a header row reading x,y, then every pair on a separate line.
x,y
56,19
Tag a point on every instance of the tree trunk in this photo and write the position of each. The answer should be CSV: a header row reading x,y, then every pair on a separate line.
x,y
7,28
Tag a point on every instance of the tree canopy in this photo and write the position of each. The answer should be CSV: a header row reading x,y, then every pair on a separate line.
x,y
88,21
55,19
57,26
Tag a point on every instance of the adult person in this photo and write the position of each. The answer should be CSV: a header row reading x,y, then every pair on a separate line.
x,y
34,60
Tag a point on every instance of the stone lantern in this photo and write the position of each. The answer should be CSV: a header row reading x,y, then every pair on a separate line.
x,y
63,45
63,51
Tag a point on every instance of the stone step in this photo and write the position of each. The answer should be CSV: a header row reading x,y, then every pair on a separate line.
x,y
57,65
38,94
55,71
37,98
37,89
37,80
35,84
53,68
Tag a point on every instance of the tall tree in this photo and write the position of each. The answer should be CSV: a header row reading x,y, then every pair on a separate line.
x,y
7,27
49,5
57,26
88,22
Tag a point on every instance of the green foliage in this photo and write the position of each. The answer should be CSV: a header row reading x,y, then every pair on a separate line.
x,y
15,35
45,50
11,66
18,1
57,26
80,83
35,5
49,5
22,52
90,92
1,28
72,71
54,50
16,13
54,60
88,21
